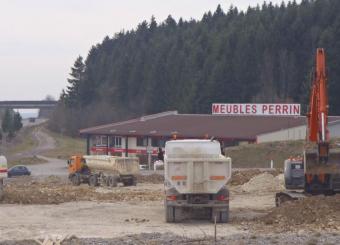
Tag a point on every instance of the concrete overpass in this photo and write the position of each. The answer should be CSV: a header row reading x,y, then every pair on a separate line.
x,y
45,107
28,104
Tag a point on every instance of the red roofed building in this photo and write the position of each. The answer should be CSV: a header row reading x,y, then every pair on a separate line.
x,y
145,134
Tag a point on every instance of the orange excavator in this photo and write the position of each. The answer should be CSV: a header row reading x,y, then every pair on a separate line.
x,y
321,159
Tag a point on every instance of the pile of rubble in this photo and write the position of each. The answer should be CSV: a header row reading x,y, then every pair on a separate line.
x,y
312,213
54,190
240,177
264,182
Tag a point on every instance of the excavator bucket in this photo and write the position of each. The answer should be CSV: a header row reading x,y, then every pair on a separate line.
x,y
313,164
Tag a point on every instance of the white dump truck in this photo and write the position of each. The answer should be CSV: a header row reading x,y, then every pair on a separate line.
x,y
104,170
3,174
196,174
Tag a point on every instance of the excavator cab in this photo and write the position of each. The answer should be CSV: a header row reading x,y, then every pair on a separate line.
x,y
294,173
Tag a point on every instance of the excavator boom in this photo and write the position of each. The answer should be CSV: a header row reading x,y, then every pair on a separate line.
x,y
322,162
318,108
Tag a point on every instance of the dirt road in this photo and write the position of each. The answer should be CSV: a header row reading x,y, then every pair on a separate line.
x,y
52,167
44,143
116,219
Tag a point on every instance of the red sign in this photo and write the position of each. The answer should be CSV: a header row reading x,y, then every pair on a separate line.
x,y
257,109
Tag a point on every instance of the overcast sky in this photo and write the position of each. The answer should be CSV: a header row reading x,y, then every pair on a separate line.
x,y
40,39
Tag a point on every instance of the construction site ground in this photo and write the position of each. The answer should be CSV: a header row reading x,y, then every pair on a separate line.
x,y
46,206
40,206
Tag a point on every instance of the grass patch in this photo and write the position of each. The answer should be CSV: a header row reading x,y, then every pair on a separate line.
x,y
65,146
22,142
26,161
259,155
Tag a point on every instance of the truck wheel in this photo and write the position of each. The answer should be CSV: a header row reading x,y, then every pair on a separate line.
x,y
224,216
130,182
106,181
134,181
113,181
170,214
221,216
75,179
93,180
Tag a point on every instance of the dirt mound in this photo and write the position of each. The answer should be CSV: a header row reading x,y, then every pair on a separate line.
x,y
316,212
263,182
152,178
54,190
239,177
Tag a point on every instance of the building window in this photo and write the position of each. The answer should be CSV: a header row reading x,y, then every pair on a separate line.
x,y
142,141
100,141
116,141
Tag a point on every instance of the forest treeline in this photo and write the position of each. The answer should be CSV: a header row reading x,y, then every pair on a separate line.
x,y
263,54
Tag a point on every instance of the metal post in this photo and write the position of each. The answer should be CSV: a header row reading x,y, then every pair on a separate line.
x,y
126,146
88,144
149,154
215,228
107,145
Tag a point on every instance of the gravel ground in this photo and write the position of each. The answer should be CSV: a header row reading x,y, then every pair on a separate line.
x,y
172,239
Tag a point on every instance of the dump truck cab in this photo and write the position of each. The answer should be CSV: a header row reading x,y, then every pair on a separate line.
x,y
75,164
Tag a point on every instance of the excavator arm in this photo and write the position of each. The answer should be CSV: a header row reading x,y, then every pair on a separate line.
x,y
321,161
318,108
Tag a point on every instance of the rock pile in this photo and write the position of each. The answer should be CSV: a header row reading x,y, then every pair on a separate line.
x,y
312,213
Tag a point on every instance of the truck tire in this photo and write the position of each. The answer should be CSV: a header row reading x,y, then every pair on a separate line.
x,y
113,181
134,181
130,182
93,180
221,216
75,179
169,214
106,181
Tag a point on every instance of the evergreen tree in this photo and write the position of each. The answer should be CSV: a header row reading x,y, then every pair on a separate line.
x,y
262,55
77,77
7,122
17,121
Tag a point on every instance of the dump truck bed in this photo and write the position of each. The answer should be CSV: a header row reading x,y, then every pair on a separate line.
x,y
193,166
113,164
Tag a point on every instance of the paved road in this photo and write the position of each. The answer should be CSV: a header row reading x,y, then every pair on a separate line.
x,y
52,167
45,143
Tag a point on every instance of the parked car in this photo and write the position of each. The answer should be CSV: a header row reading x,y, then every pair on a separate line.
x,y
143,167
18,170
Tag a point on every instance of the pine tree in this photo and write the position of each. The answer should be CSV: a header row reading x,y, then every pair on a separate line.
x,y
17,121
77,77
7,122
